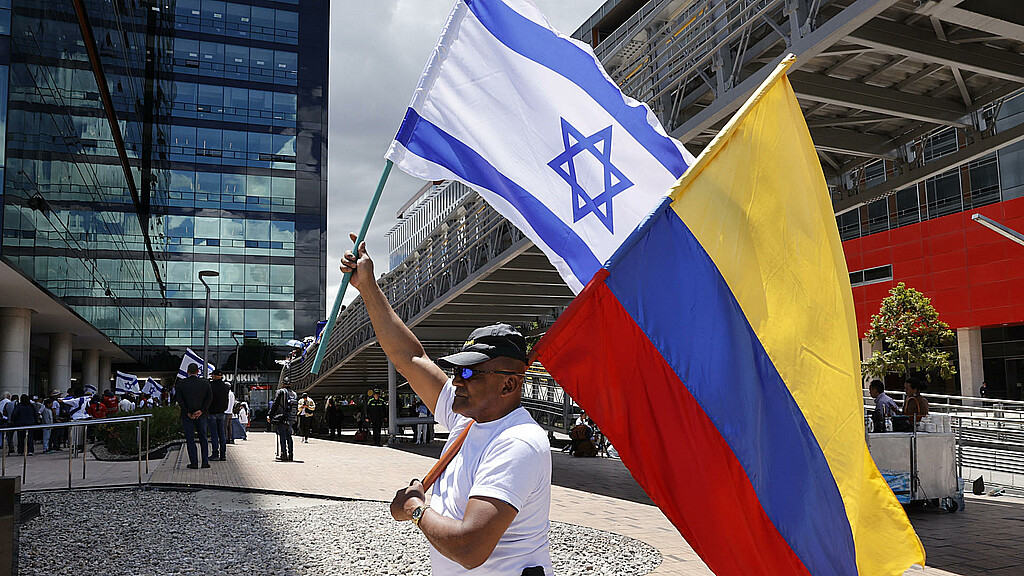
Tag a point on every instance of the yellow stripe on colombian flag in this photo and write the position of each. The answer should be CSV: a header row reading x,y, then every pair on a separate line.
x,y
757,202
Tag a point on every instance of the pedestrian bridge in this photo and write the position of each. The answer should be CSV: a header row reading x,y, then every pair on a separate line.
x,y
474,269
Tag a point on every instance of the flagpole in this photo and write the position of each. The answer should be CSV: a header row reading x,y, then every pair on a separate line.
x,y
325,336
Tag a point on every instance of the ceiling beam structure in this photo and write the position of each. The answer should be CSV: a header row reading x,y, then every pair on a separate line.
x,y
852,143
995,16
806,48
853,94
922,44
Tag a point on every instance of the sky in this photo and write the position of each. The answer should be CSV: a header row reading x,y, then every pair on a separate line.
x,y
378,50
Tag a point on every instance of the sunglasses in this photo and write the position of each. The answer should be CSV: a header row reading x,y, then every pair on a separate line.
x,y
467,373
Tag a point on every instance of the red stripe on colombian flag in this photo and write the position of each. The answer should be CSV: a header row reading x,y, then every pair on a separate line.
x,y
699,478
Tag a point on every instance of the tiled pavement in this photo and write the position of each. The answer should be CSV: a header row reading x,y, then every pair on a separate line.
x,y
986,539
50,471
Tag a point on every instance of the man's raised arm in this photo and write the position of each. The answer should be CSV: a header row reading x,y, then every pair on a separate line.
x,y
398,342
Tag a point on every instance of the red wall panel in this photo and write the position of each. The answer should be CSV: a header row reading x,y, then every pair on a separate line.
x,y
974,276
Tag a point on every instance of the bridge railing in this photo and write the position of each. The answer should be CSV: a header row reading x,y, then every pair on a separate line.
x,y
471,236
546,401
689,45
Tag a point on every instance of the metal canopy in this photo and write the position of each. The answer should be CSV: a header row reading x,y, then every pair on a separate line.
x,y
872,76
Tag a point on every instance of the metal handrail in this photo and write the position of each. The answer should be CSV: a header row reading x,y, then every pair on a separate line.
x,y
988,438
441,262
73,445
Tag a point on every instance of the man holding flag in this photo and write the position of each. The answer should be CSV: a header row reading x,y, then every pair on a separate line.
x,y
727,301
489,511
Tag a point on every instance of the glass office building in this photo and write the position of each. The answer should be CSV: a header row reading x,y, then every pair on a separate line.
x,y
147,141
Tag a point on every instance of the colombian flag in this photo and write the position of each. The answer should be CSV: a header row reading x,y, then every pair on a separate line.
x,y
718,351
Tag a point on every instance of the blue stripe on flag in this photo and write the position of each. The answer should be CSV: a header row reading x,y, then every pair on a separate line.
x,y
536,43
424,139
676,294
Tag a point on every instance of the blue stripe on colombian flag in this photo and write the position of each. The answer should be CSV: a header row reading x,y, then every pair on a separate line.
x,y
602,358
667,280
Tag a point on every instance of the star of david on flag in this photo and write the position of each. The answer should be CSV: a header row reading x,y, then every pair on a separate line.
x,y
615,182
541,152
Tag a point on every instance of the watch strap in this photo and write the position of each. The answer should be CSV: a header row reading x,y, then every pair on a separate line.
x,y
417,515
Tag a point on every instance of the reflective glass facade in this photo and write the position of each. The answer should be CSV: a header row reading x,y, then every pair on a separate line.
x,y
221,107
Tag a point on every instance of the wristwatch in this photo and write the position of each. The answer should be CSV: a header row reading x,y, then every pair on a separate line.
x,y
417,514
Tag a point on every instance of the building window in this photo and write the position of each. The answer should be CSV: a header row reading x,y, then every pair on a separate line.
x,y
878,216
940,144
849,225
908,207
944,196
871,275
874,173
984,181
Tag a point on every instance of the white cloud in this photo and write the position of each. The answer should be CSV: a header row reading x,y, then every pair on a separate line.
x,y
378,50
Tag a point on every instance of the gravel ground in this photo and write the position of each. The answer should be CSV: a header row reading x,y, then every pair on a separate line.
x,y
135,532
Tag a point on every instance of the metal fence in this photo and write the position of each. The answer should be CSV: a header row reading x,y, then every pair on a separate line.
x,y
77,438
989,433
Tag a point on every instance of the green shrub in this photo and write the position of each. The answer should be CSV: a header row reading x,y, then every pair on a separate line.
x,y
164,427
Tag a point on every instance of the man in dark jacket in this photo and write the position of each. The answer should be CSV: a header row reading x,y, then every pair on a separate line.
x,y
282,416
194,396
219,405
375,410
24,415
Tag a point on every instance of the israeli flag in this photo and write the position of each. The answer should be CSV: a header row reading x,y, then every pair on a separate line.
x,y
528,117
191,357
125,383
152,388
90,389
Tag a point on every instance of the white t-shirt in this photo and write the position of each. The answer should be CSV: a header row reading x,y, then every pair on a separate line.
x,y
231,402
509,460
126,405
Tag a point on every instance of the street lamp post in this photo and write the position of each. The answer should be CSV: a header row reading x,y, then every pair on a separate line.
x,y
234,336
998,228
206,331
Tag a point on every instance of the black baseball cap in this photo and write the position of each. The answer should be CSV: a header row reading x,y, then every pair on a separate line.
x,y
494,341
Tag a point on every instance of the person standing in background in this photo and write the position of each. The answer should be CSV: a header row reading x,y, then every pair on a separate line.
x,y
218,405
241,420
375,410
282,416
194,396
306,408
229,416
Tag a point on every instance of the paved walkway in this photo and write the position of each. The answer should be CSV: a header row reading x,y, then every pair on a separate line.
x,y
597,492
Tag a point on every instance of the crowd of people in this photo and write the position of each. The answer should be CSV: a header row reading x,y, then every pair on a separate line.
x,y
57,407
228,419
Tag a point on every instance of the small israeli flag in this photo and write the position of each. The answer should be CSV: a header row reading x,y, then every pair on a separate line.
x,y
125,383
152,388
191,357
528,117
